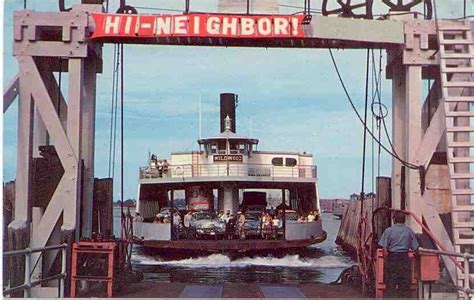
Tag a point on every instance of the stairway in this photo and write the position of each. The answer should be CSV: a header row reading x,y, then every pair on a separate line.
x,y
456,49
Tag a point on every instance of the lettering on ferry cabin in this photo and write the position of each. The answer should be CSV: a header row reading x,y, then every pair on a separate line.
x,y
197,25
230,157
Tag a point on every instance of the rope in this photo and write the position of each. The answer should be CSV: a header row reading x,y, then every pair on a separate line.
x,y
351,102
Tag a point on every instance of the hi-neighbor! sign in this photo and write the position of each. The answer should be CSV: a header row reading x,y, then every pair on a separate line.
x,y
197,25
229,157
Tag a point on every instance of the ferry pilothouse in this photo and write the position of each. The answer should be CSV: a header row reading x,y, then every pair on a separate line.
x,y
229,188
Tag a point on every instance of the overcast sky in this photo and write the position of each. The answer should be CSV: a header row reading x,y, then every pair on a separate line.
x,y
290,96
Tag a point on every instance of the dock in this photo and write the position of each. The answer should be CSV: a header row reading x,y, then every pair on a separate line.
x,y
150,289
347,237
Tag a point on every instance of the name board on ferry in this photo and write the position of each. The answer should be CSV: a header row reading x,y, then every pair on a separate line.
x,y
230,157
197,25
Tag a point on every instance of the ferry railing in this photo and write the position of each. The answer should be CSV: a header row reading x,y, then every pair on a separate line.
x,y
230,169
28,284
466,288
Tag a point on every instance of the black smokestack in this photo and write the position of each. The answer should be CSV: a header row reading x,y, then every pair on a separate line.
x,y
228,102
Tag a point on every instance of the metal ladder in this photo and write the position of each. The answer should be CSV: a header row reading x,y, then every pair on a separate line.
x,y
456,49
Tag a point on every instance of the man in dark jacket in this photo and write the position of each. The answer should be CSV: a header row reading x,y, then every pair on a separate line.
x,y
397,240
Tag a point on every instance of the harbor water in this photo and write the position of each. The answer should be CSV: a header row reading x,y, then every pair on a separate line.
x,y
319,263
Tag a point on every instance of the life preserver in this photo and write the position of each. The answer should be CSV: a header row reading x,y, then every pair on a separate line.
x,y
178,170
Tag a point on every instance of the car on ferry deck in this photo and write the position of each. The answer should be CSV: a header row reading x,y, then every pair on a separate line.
x,y
206,224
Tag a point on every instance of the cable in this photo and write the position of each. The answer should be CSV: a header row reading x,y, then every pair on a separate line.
x,y
393,154
380,110
365,134
158,8
121,134
299,7
114,147
112,108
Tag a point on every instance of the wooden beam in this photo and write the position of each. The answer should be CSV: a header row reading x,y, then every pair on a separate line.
x,y
88,135
432,219
11,92
431,138
74,133
398,121
23,183
412,141
48,112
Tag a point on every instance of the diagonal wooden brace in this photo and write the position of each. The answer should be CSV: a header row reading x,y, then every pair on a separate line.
x,y
11,92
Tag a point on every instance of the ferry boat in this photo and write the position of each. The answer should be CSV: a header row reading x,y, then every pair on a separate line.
x,y
228,174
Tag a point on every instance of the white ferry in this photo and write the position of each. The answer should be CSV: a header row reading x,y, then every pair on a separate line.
x,y
228,174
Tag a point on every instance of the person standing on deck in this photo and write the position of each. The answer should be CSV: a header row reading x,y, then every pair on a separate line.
x,y
187,224
397,240
176,224
241,224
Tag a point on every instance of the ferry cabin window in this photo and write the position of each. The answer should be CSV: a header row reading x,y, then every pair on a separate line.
x,y
290,162
277,161
234,148
222,147
242,148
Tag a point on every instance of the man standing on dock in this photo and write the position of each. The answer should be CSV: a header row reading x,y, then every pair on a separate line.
x,y
397,240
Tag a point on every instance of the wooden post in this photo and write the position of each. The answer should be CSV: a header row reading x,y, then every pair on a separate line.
x,y
398,120
283,201
412,142
382,219
173,232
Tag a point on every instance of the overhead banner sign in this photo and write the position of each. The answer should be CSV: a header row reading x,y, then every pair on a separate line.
x,y
197,25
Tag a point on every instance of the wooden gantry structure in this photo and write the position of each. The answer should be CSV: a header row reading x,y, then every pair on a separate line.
x,y
432,134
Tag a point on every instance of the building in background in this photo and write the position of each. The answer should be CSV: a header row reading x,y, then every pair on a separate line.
x,y
330,205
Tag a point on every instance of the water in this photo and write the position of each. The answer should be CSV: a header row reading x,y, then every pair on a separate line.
x,y
320,263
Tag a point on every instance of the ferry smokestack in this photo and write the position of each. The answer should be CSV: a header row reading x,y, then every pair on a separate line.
x,y
228,104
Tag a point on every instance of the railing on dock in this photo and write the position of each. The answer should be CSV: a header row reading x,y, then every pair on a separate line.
x,y
468,292
28,284
231,169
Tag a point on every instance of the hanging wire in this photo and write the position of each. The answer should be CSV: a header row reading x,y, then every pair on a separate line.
x,y
351,102
112,108
372,117
362,195
380,110
114,147
121,135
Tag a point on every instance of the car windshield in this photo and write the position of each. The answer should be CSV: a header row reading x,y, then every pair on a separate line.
x,y
203,216
253,217
291,216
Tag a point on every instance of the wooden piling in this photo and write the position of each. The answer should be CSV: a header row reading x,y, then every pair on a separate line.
x,y
102,220
347,237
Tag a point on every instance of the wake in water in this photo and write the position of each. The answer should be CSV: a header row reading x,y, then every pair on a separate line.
x,y
223,261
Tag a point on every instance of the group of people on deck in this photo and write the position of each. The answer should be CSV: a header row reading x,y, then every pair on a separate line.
x,y
312,216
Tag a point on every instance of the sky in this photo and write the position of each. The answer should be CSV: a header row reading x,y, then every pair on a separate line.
x,y
290,99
